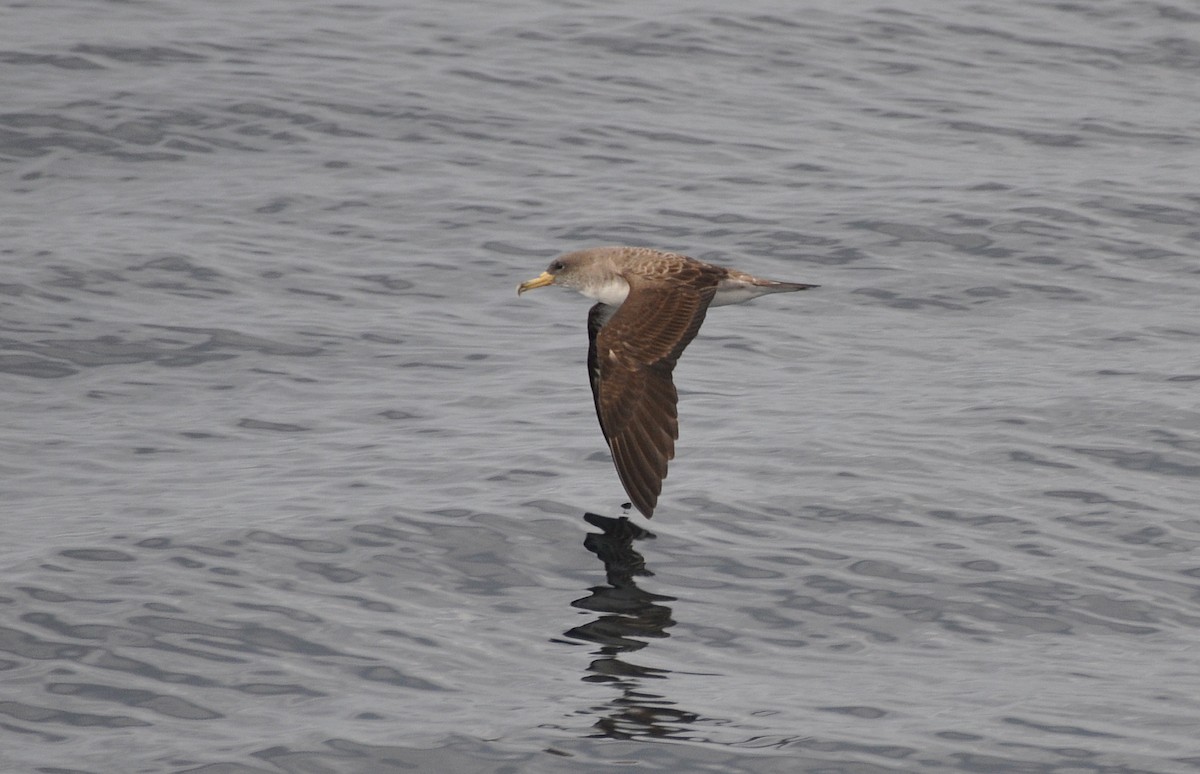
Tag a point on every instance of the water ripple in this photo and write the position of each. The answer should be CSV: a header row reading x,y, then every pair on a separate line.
x,y
293,481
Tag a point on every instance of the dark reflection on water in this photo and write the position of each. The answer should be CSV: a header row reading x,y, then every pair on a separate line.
x,y
629,617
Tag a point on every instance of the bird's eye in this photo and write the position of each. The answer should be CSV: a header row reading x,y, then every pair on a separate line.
x,y
557,266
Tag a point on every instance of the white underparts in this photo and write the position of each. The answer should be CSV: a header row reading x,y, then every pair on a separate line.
x,y
612,292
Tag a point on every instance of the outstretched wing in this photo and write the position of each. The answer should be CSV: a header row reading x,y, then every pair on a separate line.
x,y
631,355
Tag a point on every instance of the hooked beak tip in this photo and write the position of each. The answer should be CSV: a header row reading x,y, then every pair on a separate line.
x,y
542,280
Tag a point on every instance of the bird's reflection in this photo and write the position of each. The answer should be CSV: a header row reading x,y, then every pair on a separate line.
x,y
628,617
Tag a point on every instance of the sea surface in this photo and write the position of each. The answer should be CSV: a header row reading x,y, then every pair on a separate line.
x,y
292,481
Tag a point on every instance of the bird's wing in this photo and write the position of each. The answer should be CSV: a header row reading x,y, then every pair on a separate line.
x,y
597,316
630,360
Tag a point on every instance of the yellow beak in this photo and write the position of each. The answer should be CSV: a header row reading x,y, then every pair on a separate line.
x,y
540,281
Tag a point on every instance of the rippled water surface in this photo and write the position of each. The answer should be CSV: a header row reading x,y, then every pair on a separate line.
x,y
294,482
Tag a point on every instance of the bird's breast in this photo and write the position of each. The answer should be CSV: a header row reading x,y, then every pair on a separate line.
x,y
612,291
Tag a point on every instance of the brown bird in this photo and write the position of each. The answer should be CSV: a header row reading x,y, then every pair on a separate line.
x,y
651,304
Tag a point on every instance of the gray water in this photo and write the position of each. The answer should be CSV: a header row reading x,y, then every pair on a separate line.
x,y
292,481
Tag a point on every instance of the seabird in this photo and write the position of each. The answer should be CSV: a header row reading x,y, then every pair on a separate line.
x,y
650,306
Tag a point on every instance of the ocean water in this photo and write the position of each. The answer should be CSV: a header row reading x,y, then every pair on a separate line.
x,y
292,481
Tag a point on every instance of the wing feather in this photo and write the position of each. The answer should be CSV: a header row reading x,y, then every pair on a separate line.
x,y
632,353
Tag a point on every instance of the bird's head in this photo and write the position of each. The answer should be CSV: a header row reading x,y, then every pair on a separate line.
x,y
595,272
564,271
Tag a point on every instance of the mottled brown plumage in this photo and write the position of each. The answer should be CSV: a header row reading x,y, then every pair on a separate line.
x,y
651,304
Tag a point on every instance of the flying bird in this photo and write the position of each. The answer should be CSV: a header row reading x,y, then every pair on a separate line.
x,y
650,305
